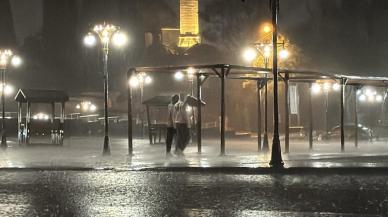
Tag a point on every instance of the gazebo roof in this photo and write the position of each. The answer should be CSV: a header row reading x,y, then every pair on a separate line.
x,y
41,96
258,73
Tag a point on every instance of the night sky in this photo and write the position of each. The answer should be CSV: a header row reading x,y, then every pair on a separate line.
x,y
342,36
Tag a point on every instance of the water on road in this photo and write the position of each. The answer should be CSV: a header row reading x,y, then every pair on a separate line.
x,y
150,193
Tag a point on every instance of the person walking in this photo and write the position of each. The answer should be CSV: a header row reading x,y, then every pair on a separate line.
x,y
182,126
171,130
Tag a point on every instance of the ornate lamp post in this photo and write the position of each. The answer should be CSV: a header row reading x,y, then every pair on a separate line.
x,y
7,58
264,50
106,34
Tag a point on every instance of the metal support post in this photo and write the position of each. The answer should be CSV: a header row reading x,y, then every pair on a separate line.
x,y
130,133
342,105
222,111
199,113
311,125
259,82
355,117
287,113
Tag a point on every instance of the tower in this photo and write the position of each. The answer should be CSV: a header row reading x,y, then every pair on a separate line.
x,y
189,24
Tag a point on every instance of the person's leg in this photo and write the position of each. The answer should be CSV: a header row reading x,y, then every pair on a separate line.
x,y
179,137
186,132
169,138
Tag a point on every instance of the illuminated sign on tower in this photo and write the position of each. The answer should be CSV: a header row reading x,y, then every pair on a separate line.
x,y
189,24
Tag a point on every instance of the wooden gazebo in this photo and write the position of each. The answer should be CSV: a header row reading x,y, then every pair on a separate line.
x,y
30,96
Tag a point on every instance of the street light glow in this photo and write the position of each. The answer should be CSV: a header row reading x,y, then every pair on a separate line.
x,y
362,98
40,116
369,92
119,39
326,86
93,108
134,82
267,51
179,76
379,98
336,87
90,40
316,88
16,61
249,54
267,28
148,80
283,54
8,89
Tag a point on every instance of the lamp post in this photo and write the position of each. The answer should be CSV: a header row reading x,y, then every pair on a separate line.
x,y
276,155
264,50
140,80
326,87
7,58
106,33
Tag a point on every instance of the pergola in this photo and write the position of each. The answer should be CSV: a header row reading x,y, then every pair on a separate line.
x,y
30,96
261,76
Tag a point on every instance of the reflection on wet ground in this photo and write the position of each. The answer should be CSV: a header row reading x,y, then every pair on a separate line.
x,y
131,193
86,152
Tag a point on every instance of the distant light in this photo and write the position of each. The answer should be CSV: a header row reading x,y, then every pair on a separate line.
x,y
336,87
267,51
41,116
326,86
90,40
249,54
362,97
8,89
134,82
85,106
358,92
190,73
148,80
16,61
93,108
316,88
78,106
179,76
369,92
119,39
379,98
267,28
283,54
371,98
189,109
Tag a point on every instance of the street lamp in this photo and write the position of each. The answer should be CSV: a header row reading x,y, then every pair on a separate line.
x,y
7,57
106,34
264,50
139,80
325,87
86,106
179,76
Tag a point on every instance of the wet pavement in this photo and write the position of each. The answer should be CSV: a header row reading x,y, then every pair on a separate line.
x,y
76,180
150,193
86,152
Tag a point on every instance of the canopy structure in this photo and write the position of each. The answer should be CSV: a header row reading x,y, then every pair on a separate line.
x,y
30,96
261,75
